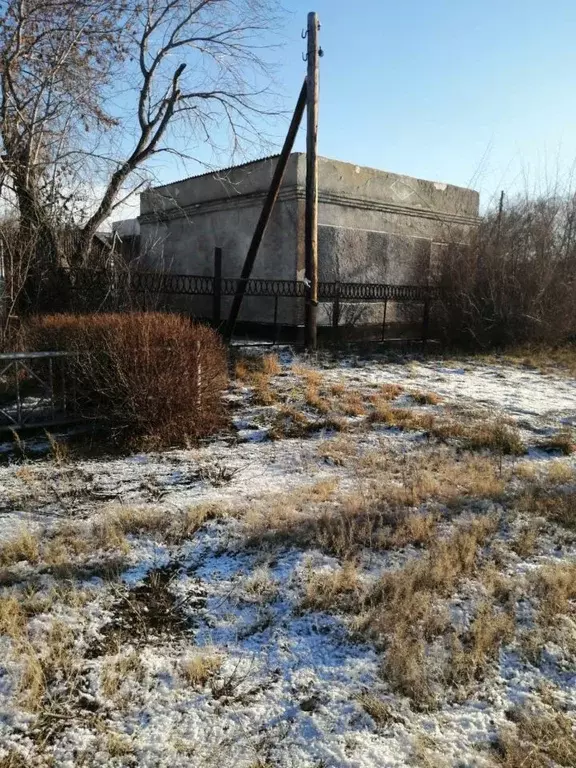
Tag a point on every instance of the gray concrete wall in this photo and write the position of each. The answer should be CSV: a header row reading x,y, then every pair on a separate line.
x,y
374,227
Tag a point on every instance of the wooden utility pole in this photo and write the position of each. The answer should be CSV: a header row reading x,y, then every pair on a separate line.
x,y
311,224
266,212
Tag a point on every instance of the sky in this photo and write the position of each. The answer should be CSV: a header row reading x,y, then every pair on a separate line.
x,y
478,94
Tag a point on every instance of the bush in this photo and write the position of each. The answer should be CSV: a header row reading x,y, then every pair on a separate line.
x,y
153,379
515,282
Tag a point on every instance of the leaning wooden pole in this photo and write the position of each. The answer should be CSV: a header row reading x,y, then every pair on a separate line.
x,y
267,209
311,216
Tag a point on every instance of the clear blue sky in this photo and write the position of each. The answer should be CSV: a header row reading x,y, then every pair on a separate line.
x,y
479,93
473,92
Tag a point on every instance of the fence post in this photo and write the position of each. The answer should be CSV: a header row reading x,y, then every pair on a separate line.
x,y
384,319
425,321
276,319
217,295
336,313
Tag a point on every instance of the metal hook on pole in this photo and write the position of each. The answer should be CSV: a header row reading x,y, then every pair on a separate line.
x,y
304,57
304,34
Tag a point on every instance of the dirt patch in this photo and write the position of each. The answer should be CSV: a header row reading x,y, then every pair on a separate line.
x,y
150,612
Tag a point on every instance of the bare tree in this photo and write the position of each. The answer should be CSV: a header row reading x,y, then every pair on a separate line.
x,y
92,90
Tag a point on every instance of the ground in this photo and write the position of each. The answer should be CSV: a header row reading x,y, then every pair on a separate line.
x,y
374,566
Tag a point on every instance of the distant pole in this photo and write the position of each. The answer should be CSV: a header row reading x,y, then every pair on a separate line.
x,y
311,225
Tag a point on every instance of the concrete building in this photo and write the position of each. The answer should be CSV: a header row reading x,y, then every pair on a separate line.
x,y
374,226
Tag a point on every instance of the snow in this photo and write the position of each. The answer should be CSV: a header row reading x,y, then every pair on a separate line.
x,y
287,691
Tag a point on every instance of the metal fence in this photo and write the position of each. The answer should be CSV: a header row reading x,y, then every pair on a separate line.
x,y
33,390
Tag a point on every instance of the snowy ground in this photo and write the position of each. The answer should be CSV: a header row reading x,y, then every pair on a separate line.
x,y
186,608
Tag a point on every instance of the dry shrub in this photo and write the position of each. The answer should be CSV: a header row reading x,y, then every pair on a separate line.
x,y
515,282
540,738
153,379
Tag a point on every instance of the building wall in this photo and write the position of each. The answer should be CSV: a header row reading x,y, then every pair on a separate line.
x,y
373,227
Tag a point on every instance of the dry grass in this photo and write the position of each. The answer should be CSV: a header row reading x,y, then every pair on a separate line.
x,y
545,358
494,436
313,399
563,442
263,392
116,671
312,378
59,450
200,668
426,398
540,738
260,586
559,473
555,585
380,513
23,547
57,662
338,450
390,391
271,365
526,542
556,505
69,542
119,745
403,612
333,591
380,711
13,619
475,650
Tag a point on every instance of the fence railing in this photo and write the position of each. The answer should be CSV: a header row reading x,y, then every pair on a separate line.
x,y
201,285
93,290
33,390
